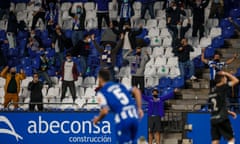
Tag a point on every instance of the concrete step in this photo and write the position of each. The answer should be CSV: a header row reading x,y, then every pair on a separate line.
x,y
195,94
184,107
235,43
170,141
185,102
201,83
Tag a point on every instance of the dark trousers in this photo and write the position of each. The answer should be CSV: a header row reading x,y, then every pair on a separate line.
x,y
72,88
198,27
138,80
100,17
36,17
149,7
39,106
123,21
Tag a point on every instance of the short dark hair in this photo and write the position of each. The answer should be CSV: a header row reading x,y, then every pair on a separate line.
x,y
155,90
104,74
218,79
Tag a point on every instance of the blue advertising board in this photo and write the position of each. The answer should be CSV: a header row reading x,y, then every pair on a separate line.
x,y
200,133
59,128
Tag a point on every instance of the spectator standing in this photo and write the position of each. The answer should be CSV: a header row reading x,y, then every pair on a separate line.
x,y
102,12
215,65
130,37
216,9
12,85
43,68
155,113
184,59
51,18
108,53
4,9
78,25
126,12
39,11
58,43
34,42
147,5
69,74
138,61
174,18
198,8
82,51
35,88
12,28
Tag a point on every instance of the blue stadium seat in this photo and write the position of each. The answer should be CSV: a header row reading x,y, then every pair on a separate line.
x,y
227,32
224,23
12,52
167,90
22,35
44,34
22,46
177,82
3,35
217,42
26,61
235,13
209,52
47,42
36,62
198,62
52,71
28,70
164,82
68,33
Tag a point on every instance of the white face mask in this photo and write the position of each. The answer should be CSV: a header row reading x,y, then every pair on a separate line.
x,y
69,59
174,8
89,40
32,35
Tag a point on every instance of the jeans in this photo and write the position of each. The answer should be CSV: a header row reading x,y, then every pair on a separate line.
x,y
189,65
76,36
11,39
72,88
59,56
148,6
198,27
44,74
83,64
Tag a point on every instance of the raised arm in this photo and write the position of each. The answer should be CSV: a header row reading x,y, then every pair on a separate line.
x,y
4,72
137,94
119,44
203,57
70,12
229,61
96,45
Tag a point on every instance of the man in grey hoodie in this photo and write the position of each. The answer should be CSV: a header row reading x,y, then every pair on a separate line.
x,y
137,61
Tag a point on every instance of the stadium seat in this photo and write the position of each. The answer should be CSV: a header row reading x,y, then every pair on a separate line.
x,y
20,7
165,33
158,51
164,82
167,42
28,70
162,23
151,23
160,61
162,71
172,61
215,31
153,32
177,82
235,13
65,6
150,71
174,71
126,81
205,41
156,41
90,92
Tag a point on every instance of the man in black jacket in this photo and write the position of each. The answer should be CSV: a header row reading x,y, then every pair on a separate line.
x,y
78,25
12,29
35,88
198,8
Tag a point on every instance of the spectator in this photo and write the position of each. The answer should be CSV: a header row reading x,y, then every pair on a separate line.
x,y
138,61
112,32
82,51
12,28
4,9
216,9
39,11
108,53
184,59
215,64
78,25
173,18
51,18
43,69
59,44
102,12
2,60
198,9
34,43
155,113
69,74
147,5
35,88
130,37
12,85
126,12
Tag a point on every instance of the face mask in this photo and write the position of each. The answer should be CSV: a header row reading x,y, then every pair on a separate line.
x,y
78,10
13,73
108,47
89,40
69,59
32,35
174,8
155,96
198,3
125,1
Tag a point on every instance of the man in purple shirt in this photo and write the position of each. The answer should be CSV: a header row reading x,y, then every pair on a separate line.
x,y
155,112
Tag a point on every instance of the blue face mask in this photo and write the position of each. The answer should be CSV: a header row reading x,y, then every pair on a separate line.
x,y
125,1
108,47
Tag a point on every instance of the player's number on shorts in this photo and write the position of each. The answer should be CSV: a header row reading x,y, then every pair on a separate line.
x,y
214,101
121,96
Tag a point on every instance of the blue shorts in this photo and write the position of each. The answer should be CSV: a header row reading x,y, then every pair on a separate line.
x,y
126,131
